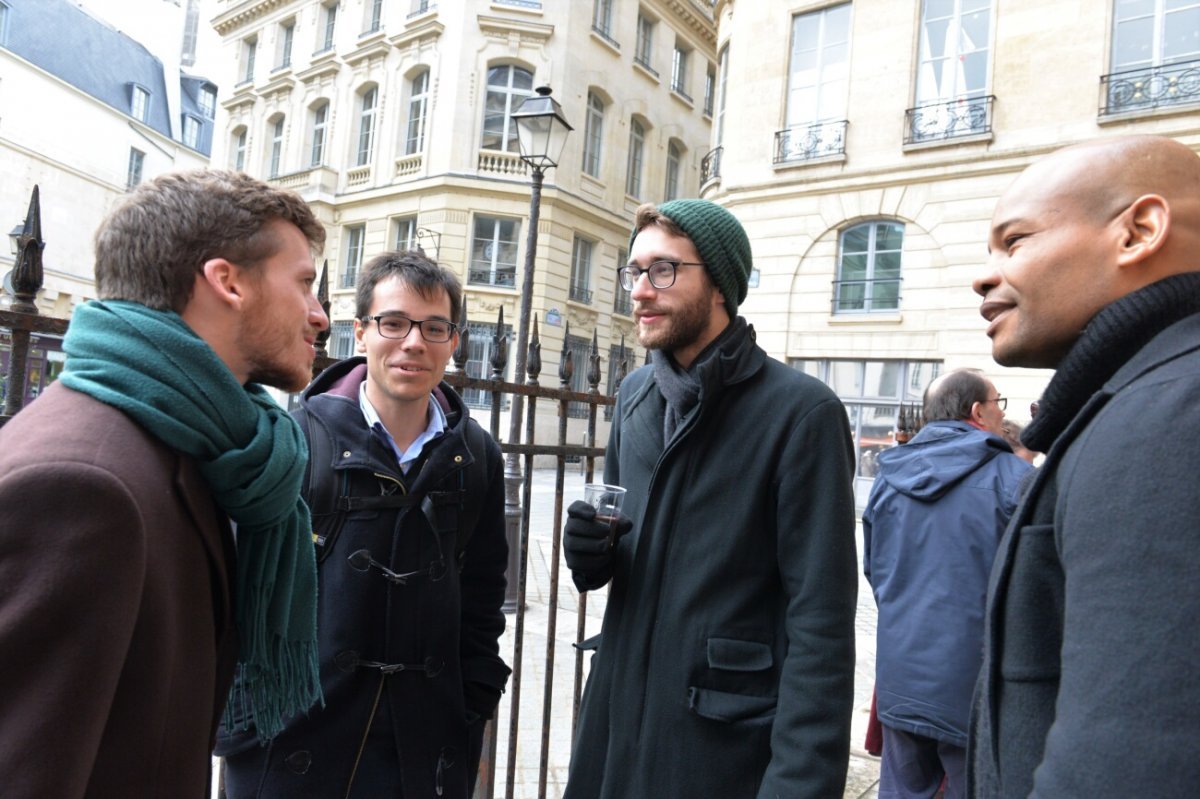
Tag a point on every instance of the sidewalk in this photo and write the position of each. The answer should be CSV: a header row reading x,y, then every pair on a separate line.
x,y
863,775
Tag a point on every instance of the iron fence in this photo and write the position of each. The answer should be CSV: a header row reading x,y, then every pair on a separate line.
x,y
23,320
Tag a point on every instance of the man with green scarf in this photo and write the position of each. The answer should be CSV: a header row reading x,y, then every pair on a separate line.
x,y
124,601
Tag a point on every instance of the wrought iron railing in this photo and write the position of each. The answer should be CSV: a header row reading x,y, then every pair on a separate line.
x,y
505,278
866,296
965,116
580,293
644,62
1150,87
604,34
622,302
806,142
710,165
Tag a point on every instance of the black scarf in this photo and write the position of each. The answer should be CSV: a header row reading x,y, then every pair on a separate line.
x,y
1113,336
681,388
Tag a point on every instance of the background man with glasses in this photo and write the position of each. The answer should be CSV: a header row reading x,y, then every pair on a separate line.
x,y
935,516
411,557
725,666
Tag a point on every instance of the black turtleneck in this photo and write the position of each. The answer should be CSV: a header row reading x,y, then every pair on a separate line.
x,y
1113,336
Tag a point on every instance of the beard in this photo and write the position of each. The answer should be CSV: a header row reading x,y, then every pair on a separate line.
x,y
266,350
680,326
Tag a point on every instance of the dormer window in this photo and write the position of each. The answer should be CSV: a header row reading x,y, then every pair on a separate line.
x,y
208,101
191,131
139,103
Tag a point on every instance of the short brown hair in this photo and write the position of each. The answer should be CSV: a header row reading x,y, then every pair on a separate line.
x,y
152,246
648,214
416,271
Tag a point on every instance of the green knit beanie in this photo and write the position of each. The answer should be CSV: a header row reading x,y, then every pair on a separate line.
x,y
721,241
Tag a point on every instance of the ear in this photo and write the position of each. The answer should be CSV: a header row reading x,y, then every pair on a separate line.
x,y
1144,227
976,416
226,281
360,330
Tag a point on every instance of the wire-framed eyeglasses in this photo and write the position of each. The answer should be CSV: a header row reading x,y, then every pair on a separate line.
x,y
1001,402
661,273
435,331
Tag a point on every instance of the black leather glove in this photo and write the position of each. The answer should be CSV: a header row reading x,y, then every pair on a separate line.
x,y
589,543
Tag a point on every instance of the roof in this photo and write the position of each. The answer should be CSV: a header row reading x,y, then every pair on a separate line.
x,y
99,60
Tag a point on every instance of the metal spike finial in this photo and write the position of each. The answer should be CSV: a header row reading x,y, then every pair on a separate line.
x,y
463,350
566,362
535,354
323,299
27,273
593,375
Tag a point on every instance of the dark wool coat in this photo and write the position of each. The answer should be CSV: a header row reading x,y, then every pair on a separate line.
x,y
1091,684
117,639
726,663
443,625
937,510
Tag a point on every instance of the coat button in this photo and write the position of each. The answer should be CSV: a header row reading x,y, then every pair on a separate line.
x,y
458,458
346,454
299,761
433,666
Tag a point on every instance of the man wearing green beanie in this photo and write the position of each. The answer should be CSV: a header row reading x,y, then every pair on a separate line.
x,y
725,665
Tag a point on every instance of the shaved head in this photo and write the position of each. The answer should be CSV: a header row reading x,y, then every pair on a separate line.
x,y
1080,229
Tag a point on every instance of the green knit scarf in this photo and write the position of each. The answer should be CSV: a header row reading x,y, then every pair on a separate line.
x,y
153,367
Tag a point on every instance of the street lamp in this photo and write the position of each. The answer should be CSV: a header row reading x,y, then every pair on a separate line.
x,y
541,133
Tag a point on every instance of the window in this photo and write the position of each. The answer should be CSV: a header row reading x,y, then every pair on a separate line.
x,y
366,127
191,24
287,32
722,84
494,252
328,26
818,78
404,233
208,101
674,156
354,254
320,128
421,6
869,268
952,76
622,302
239,150
249,54
645,42
481,344
602,17
276,148
341,339
1155,45
593,135
507,87
581,271
818,72
580,349
191,131
679,69
139,103
133,176
872,392
710,90
374,15
633,168
418,107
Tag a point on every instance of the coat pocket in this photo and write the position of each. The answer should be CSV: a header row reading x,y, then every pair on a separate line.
x,y
731,654
724,706
1033,608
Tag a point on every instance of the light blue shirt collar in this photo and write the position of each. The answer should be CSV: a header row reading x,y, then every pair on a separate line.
x,y
406,458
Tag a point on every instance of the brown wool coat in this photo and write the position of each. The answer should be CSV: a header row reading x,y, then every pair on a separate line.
x,y
117,640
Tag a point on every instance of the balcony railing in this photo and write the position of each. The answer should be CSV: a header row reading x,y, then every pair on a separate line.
x,y
503,163
806,142
580,293
866,296
519,3
710,165
604,34
643,61
504,277
678,89
622,303
965,116
1151,87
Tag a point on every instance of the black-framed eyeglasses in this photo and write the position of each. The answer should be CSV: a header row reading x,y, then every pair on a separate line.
x,y
1001,402
435,331
661,273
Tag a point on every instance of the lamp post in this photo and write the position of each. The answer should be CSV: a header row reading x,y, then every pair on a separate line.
x,y
541,133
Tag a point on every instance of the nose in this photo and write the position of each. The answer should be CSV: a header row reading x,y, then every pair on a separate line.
x,y
316,314
642,288
988,277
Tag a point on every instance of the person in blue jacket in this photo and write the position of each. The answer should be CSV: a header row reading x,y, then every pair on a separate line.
x,y
935,516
